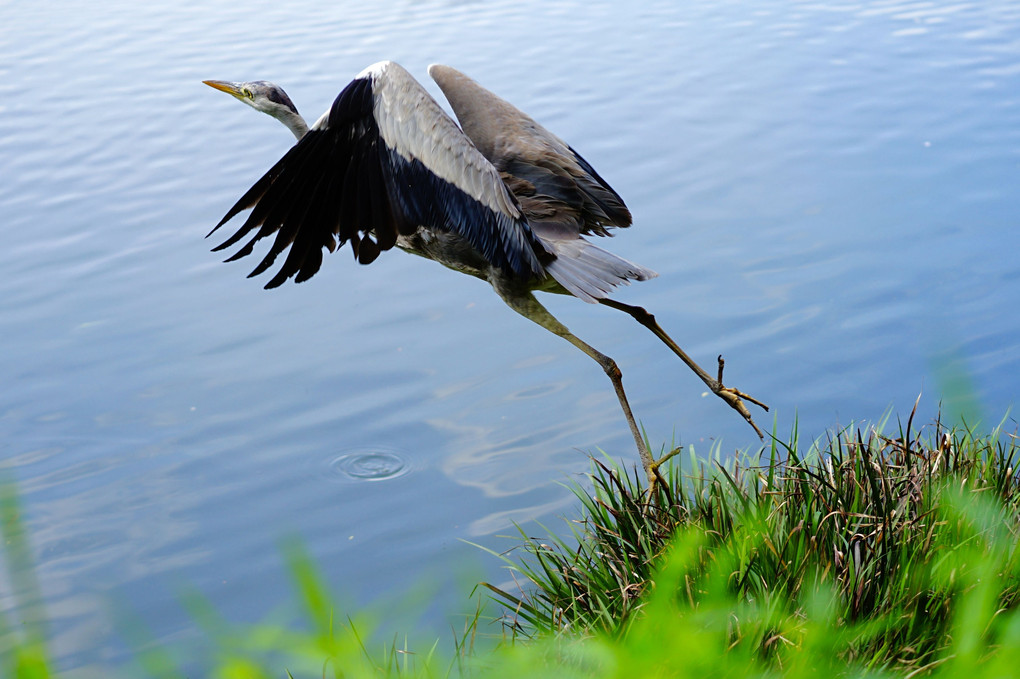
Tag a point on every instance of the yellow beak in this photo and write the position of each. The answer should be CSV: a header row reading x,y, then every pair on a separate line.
x,y
224,86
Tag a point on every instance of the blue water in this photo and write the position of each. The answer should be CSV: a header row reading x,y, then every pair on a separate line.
x,y
828,192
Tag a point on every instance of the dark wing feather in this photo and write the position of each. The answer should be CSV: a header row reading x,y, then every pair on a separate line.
x,y
568,184
601,194
345,180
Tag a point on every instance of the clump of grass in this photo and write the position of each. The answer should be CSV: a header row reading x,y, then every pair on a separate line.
x,y
690,624
860,515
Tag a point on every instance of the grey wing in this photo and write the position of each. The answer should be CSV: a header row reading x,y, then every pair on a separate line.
x,y
542,167
561,194
384,160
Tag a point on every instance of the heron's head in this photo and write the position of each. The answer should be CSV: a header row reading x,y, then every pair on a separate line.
x,y
266,97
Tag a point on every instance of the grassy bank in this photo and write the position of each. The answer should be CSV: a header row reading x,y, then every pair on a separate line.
x,y
892,552
865,554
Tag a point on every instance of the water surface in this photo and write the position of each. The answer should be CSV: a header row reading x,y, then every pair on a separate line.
x,y
827,191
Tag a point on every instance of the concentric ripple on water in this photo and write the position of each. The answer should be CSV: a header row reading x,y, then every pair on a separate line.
x,y
369,466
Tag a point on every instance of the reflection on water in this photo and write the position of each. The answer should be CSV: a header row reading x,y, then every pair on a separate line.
x,y
828,193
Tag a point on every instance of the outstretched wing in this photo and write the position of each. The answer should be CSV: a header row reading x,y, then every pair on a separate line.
x,y
384,160
540,168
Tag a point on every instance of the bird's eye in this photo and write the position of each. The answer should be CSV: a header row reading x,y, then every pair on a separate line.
x,y
247,93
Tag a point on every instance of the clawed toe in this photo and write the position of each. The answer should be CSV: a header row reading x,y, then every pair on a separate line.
x,y
734,398
653,470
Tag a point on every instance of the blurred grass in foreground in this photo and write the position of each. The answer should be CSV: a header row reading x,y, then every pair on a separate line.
x,y
22,633
867,554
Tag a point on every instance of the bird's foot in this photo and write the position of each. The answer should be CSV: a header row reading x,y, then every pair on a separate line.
x,y
654,477
735,398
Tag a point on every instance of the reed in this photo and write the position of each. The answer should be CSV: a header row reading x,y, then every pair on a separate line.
x,y
880,523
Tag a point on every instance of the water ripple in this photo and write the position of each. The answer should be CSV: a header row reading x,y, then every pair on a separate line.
x,y
369,465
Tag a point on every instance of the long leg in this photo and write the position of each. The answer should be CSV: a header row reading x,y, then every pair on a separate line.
x,y
731,396
526,305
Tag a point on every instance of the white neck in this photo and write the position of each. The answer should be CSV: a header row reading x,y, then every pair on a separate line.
x,y
295,123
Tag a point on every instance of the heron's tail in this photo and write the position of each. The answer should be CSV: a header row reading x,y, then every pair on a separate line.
x,y
589,272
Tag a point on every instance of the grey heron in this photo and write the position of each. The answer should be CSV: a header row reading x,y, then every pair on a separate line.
x,y
499,197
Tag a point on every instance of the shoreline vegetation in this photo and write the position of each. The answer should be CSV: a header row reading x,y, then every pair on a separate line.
x,y
879,551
